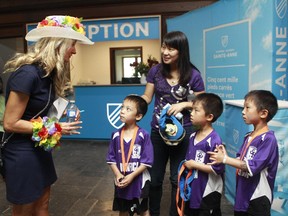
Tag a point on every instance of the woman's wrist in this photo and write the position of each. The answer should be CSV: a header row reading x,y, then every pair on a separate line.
x,y
46,133
189,105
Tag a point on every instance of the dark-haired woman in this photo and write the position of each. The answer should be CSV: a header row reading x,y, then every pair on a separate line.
x,y
173,81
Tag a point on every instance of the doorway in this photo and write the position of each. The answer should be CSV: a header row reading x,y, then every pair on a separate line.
x,y
121,64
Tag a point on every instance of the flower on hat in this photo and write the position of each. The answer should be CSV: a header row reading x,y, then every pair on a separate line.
x,y
59,26
46,133
66,22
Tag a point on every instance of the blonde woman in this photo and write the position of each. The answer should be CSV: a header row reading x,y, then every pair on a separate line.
x,y
37,79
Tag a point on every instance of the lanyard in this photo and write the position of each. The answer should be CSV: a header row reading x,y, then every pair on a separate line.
x,y
185,177
243,152
124,160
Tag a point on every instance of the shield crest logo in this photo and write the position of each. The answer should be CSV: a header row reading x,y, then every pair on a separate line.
x,y
281,8
113,114
200,156
224,40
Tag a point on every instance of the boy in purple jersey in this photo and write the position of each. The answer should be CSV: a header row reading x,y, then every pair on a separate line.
x,y
130,154
257,159
207,185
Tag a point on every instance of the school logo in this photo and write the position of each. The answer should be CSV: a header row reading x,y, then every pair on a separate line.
x,y
281,8
136,151
199,157
113,114
252,150
224,40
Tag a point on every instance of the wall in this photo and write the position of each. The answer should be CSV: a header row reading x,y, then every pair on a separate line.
x,y
8,47
15,14
92,63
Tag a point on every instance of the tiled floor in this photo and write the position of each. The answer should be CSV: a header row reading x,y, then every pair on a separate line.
x,y
85,183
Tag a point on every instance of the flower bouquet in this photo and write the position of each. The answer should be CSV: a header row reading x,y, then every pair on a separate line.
x,y
46,132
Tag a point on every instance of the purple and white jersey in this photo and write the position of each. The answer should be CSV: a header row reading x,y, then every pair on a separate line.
x,y
142,154
204,183
262,161
165,93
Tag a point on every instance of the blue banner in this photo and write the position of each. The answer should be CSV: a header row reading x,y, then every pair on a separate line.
x,y
101,105
226,57
280,52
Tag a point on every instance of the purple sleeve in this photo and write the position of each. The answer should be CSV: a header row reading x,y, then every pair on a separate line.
x,y
152,72
147,156
266,155
197,82
111,154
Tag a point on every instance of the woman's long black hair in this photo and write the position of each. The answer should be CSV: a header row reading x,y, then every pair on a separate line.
x,y
179,41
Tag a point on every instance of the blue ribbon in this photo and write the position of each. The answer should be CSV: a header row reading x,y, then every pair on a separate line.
x,y
186,177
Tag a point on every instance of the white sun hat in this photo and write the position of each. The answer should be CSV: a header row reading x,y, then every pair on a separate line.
x,y
59,26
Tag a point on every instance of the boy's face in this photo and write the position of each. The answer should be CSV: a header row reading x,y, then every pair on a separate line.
x,y
198,116
250,113
128,113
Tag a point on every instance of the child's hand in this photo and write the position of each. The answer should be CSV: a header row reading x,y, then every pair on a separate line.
x,y
126,181
118,180
190,164
218,156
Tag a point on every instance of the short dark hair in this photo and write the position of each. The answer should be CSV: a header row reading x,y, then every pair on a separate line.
x,y
211,103
264,99
141,104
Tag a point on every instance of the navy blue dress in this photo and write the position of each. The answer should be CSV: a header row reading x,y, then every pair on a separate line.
x,y
28,169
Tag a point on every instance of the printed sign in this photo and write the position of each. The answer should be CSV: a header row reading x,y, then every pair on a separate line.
x,y
226,62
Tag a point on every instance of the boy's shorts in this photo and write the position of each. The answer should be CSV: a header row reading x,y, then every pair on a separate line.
x,y
136,205
210,206
259,207
132,206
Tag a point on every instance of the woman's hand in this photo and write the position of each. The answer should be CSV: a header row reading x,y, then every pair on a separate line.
x,y
175,109
69,128
78,115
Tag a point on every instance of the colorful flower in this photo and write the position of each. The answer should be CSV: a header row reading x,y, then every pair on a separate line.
x,y
66,22
46,133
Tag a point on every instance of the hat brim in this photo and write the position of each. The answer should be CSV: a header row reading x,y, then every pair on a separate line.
x,y
54,31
